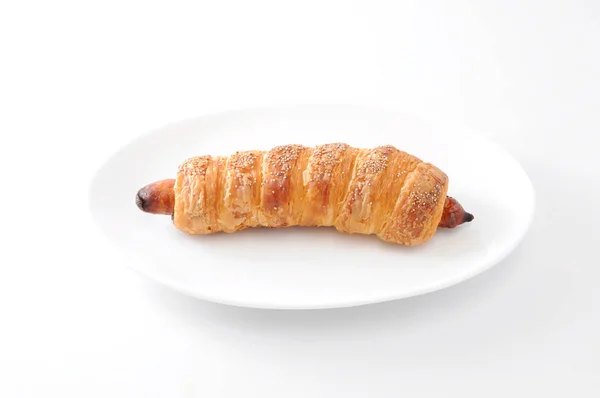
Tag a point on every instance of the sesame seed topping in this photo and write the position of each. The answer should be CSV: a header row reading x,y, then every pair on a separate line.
x,y
242,160
376,161
195,166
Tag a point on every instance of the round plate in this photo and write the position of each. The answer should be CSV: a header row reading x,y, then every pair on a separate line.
x,y
301,267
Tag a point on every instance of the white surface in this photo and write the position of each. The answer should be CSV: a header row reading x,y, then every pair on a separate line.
x,y
76,322
308,268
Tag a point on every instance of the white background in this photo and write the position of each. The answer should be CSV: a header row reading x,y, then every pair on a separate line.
x,y
79,79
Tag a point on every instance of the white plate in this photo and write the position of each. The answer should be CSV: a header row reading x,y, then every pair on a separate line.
x,y
302,268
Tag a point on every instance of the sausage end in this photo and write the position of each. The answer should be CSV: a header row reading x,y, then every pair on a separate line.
x,y
156,198
454,214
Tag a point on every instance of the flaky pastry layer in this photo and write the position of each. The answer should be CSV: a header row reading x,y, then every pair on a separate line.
x,y
381,191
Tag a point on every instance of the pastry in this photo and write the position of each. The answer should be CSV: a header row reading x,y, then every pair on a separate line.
x,y
380,191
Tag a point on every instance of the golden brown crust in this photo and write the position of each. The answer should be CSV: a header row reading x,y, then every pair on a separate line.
x,y
372,191
279,185
381,191
325,181
190,212
418,209
241,190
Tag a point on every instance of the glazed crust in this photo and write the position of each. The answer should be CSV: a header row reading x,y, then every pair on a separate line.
x,y
381,191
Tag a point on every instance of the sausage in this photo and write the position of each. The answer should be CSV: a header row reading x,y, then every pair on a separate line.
x,y
159,198
453,214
